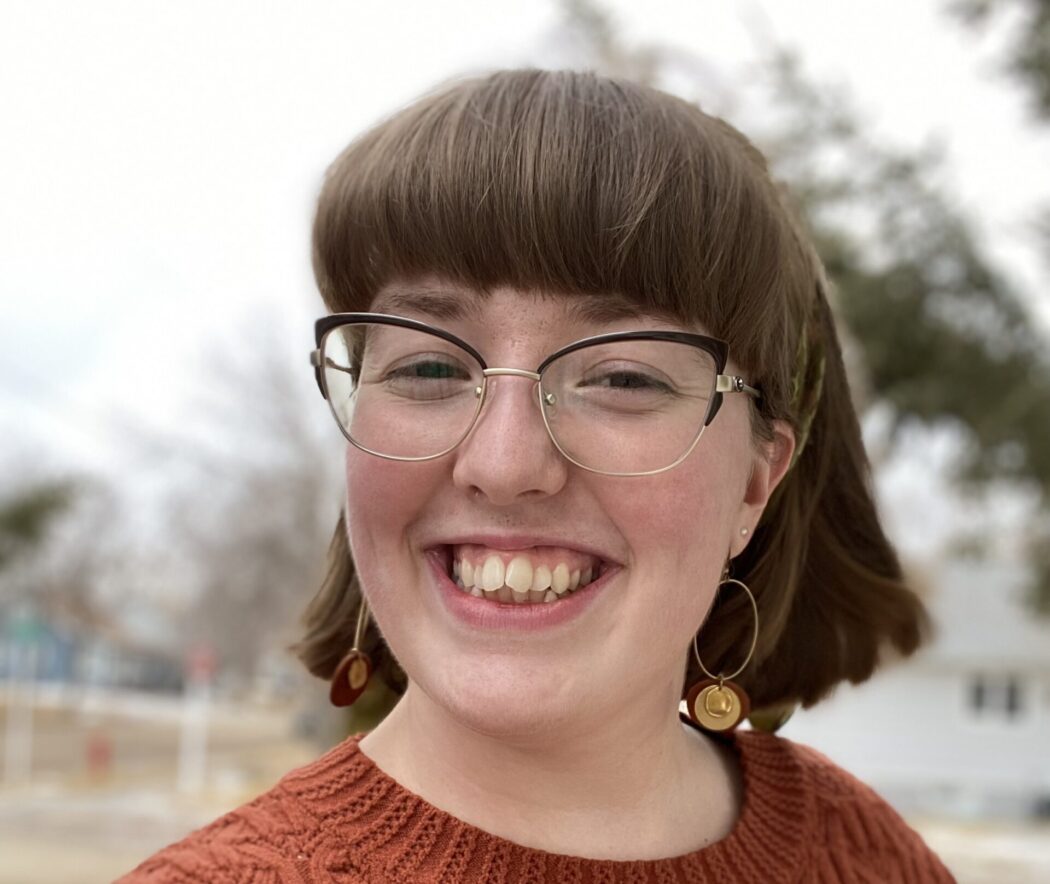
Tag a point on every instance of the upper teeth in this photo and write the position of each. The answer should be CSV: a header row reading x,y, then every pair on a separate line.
x,y
519,580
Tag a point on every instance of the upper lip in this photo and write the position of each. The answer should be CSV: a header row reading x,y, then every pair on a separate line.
x,y
518,541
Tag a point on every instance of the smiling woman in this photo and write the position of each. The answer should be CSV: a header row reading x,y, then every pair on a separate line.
x,y
582,353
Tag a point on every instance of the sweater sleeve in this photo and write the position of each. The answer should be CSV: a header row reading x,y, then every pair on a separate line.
x,y
863,838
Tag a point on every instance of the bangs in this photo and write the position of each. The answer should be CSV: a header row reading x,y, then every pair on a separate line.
x,y
564,183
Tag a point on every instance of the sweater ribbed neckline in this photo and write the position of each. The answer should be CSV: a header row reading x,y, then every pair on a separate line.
x,y
400,833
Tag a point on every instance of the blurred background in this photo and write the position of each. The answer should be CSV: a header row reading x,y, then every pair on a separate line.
x,y
169,477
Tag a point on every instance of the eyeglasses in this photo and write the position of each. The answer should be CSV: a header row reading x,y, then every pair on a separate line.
x,y
622,404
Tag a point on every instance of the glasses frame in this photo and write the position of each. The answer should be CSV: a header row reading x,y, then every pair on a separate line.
x,y
718,350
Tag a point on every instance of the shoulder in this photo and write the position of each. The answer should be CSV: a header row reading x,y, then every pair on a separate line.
x,y
849,823
827,786
272,838
250,843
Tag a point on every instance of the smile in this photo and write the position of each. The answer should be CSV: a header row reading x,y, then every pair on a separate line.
x,y
540,575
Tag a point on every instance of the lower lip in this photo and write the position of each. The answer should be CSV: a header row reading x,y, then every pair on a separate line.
x,y
501,616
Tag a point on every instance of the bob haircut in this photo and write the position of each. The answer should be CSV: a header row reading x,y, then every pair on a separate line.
x,y
566,183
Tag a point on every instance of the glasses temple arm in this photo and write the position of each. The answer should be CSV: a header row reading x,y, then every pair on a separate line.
x,y
727,383
315,361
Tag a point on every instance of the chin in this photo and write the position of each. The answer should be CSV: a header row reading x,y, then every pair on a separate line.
x,y
511,700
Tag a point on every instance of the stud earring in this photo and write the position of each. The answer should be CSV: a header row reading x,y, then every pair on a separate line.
x,y
717,703
352,674
743,532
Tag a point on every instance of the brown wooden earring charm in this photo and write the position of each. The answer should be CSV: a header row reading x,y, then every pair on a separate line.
x,y
355,669
716,703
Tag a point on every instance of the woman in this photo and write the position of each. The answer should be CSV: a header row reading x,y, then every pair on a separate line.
x,y
558,473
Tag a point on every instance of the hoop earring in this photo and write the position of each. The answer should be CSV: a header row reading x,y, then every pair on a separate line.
x,y
717,703
355,669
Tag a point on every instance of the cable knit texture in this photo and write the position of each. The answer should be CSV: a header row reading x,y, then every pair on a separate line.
x,y
342,819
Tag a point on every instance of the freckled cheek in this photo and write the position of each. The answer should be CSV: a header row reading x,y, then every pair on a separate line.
x,y
675,530
671,517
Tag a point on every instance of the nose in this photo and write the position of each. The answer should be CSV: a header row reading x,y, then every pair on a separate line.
x,y
509,457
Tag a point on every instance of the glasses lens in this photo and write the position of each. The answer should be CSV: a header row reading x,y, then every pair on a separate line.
x,y
628,406
397,391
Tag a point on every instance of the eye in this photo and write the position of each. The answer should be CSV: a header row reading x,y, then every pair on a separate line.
x,y
625,379
427,377
429,369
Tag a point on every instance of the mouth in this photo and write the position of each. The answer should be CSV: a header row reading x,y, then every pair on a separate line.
x,y
538,575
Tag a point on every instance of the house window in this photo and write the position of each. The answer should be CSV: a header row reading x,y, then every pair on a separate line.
x,y
996,697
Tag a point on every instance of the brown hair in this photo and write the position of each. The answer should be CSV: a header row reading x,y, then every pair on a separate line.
x,y
571,183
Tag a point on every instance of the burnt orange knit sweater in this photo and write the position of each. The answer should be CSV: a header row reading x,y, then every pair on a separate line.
x,y
342,819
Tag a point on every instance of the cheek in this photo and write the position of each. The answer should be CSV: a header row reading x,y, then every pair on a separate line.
x,y
383,498
679,527
683,516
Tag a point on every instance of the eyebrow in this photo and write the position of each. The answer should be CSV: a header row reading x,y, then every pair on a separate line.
x,y
438,303
610,308
443,303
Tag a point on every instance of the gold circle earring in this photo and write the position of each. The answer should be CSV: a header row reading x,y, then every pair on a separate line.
x,y
717,703
352,674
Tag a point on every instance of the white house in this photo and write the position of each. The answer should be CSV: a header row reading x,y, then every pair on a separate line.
x,y
963,727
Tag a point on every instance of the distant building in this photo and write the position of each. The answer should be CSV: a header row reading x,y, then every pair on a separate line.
x,y
72,651
963,727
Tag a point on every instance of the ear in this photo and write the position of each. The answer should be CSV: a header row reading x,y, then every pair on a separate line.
x,y
770,463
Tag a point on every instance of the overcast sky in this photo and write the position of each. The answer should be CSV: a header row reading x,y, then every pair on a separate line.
x,y
159,163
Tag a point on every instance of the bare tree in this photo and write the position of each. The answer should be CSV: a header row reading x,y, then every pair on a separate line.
x,y
258,494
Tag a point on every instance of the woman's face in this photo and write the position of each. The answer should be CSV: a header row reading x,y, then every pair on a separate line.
x,y
655,545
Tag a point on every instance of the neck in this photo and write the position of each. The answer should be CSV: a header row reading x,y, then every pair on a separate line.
x,y
635,784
